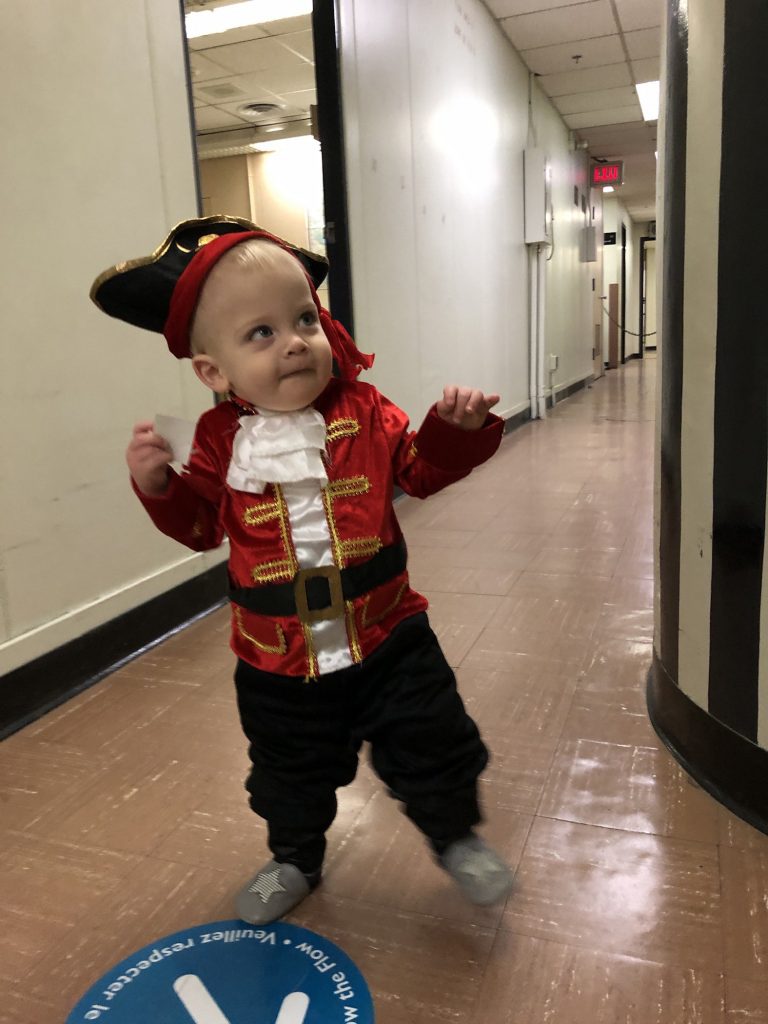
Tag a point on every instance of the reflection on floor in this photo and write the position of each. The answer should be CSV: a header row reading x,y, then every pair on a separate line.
x,y
637,899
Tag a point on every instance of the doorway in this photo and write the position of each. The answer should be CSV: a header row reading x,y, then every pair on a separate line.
x,y
268,127
623,298
647,326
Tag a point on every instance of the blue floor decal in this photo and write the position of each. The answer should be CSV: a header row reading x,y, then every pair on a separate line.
x,y
228,972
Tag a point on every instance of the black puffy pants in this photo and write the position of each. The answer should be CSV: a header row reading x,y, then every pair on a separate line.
x,y
305,739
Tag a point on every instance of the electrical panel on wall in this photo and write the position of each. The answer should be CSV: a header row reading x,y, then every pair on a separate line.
x,y
588,244
536,184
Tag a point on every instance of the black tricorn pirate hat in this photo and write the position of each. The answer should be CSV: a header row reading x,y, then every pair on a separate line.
x,y
139,291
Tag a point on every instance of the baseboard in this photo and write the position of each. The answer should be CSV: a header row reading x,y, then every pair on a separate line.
x,y
517,420
41,685
567,390
732,769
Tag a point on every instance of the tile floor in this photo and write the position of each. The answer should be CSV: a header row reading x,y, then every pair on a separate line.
x,y
638,899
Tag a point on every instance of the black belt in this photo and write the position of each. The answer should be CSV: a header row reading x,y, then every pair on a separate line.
x,y
318,594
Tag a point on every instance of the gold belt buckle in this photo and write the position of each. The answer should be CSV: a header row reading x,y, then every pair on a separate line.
x,y
335,609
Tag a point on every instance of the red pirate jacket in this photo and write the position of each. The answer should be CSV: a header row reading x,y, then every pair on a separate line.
x,y
369,449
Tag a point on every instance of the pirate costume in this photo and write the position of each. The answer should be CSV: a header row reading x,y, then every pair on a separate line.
x,y
333,646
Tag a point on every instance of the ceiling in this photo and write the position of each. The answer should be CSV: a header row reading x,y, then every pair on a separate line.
x,y
617,43
266,64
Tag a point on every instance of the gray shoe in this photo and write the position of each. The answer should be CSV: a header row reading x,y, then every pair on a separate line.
x,y
479,872
271,893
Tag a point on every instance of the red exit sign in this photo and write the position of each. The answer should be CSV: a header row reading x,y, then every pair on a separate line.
x,y
609,173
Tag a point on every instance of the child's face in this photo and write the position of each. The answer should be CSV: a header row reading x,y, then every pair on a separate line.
x,y
263,336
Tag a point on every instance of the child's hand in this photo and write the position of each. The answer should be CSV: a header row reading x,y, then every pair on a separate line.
x,y
465,407
148,457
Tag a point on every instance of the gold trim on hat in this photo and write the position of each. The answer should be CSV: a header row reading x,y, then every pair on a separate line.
x,y
162,249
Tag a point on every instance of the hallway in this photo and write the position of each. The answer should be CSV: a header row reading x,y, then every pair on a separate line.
x,y
638,898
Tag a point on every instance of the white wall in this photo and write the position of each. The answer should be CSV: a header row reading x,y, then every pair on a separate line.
x,y
98,165
436,120
568,324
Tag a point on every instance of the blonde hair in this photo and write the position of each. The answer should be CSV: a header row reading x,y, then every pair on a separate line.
x,y
256,252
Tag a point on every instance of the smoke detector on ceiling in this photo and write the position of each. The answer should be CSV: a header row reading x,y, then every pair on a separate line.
x,y
255,111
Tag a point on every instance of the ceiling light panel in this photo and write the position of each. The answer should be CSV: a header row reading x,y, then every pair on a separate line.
x,y
648,94
218,20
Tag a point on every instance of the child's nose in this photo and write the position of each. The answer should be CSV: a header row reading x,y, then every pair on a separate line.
x,y
295,342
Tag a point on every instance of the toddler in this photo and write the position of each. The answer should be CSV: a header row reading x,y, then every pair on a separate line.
x,y
296,465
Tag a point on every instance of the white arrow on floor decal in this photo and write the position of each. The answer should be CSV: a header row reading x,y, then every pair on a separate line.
x,y
202,1008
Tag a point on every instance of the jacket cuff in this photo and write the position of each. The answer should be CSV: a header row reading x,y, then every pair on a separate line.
x,y
450,448
150,501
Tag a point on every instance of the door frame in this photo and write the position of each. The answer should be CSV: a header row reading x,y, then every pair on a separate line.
x,y
642,324
623,297
330,129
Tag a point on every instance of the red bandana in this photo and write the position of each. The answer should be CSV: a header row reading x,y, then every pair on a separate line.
x,y
349,359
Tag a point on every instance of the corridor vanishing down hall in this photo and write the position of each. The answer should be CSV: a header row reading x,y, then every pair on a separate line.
x,y
638,899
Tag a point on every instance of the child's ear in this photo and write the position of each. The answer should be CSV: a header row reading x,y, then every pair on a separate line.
x,y
209,373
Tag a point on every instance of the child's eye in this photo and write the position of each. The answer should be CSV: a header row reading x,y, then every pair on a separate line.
x,y
308,319
261,332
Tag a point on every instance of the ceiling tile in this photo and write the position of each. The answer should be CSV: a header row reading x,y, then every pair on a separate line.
x,y
257,55
508,8
603,99
219,91
648,70
204,69
547,28
304,98
619,141
550,60
257,88
295,79
210,118
641,132
586,79
301,43
645,43
237,89
287,111
635,14
618,115
235,35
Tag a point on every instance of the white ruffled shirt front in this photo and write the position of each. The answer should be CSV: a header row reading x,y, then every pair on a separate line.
x,y
278,448
287,448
